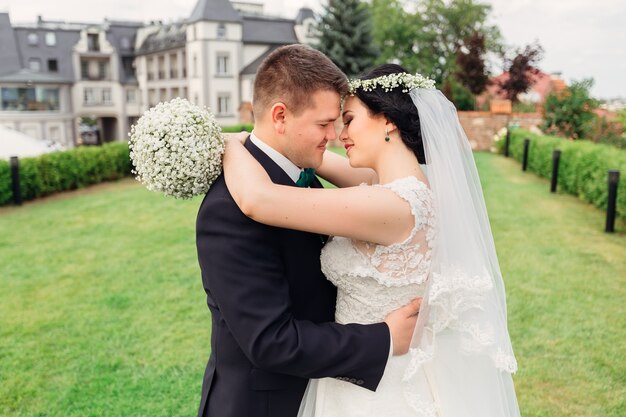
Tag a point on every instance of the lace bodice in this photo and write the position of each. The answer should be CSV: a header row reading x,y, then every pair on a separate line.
x,y
373,280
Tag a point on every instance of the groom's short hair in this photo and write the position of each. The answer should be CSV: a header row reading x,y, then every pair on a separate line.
x,y
291,74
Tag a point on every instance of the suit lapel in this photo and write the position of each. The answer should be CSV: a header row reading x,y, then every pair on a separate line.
x,y
275,172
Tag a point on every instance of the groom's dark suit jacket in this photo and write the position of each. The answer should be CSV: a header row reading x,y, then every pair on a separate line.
x,y
273,313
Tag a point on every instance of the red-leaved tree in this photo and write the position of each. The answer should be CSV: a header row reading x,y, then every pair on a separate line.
x,y
521,70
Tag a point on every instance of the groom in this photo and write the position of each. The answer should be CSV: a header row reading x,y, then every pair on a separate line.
x,y
272,308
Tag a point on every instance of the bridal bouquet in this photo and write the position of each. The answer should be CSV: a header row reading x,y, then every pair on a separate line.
x,y
176,148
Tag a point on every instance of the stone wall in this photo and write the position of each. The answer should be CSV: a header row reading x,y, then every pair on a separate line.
x,y
480,127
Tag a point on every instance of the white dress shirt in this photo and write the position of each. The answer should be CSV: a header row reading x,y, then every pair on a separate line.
x,y
281,160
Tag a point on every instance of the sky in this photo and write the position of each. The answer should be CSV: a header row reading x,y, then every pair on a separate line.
x,y
581,38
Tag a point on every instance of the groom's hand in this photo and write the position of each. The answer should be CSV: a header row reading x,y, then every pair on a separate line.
x,y
401,324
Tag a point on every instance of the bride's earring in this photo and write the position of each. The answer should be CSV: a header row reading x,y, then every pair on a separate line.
x,y
387,138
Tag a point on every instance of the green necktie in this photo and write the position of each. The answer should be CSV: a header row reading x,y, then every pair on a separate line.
x,y
306,177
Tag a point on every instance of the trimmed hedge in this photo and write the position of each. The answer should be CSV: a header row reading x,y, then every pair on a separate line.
x,y
237,128
66,170
583,167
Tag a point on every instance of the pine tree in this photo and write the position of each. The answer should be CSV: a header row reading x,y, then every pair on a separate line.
x,y
346,35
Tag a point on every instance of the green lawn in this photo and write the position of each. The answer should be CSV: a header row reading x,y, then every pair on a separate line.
x,y
102,312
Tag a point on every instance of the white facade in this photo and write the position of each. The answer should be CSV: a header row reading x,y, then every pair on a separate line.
x,y
162,76
97,91
214,55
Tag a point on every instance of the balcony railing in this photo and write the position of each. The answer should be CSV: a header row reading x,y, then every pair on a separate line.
x,y
87,77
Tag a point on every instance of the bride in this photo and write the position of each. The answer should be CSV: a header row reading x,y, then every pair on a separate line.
x,y
408,220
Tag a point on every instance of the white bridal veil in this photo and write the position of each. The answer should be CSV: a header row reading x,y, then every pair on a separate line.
x,y
461,342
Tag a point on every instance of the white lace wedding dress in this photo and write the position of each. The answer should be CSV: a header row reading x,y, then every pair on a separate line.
x,y
372,281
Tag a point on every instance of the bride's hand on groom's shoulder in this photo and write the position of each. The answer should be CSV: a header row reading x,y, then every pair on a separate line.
x,y
239,137
401,323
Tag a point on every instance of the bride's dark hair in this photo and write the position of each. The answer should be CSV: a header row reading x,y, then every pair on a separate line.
x,y
396,106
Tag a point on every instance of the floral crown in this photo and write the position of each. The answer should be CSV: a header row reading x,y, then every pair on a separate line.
x,y
390,81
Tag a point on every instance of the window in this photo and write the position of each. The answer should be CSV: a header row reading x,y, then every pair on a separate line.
x,y
53,65
221,31
34,64
125,43
103,70
128,65
93,43
89,96
30,99
161,67
173,66
223,104
310,30
33,39
106,96
152,101
131,96
222,64
51,38
84,70
54,134
195,66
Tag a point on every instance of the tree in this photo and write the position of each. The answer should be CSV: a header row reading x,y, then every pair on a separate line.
x,y
346,35
457,93
521,70
425,35
471,71
570,112
621,117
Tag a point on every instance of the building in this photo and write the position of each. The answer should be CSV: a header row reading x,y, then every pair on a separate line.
x,y
77,83
542,84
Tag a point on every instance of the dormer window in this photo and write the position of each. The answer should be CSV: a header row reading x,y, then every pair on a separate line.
x,y
310,30
93,43
34,64
33,39
221,31
125,43
51,39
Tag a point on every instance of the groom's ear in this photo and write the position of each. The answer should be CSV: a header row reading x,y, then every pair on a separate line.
x,y
278,113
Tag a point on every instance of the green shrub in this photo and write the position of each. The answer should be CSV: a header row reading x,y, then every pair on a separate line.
x,y
66,170
6,193
582,169
237,128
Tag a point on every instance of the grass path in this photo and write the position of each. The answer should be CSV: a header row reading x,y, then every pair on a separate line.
x,y
102,311
566,286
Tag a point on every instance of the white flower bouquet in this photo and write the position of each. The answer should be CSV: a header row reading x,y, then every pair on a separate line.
x,y
177,148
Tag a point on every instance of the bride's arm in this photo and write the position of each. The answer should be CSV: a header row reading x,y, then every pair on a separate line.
x,y
372,214
337,170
